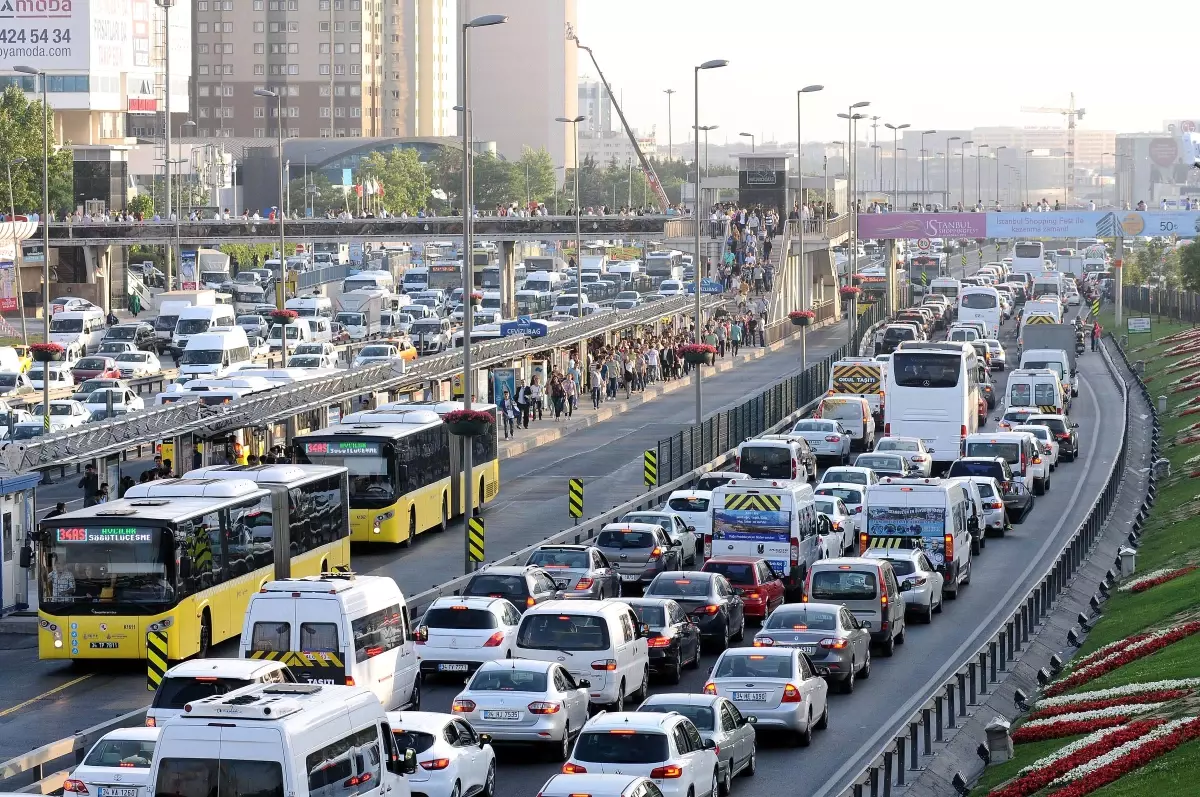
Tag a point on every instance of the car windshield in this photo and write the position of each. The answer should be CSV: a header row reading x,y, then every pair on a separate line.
x,y
460,617
66,325
979,301
653,616
1040,432
497,586
754,665
551,559
1008,451
99,397
621,747
27,431
897,445
1054,424
202,357
91,364
250,320
508,679
90,385
842,585
711,483
688,504
121,333
564,632
617,538
123,753
8,380
802,619
679,588
701,716
823,427
304,361
734,572
376,351
56,409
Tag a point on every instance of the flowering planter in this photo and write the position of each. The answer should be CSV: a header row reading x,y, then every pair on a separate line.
x,y
801,320
47,352
698,357
467,428
284,316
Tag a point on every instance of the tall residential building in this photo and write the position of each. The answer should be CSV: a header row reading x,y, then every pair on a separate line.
x,y
524,75
596,104
420,73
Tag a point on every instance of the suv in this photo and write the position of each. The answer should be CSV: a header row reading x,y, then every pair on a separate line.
x,y
523,586
140,334
665,747
1063,431
1018,500
639,550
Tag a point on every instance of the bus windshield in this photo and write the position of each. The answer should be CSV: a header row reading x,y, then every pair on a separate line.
x,y
102,564
373,475
926,369
1024,251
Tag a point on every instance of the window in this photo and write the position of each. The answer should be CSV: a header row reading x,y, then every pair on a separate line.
x,y
356,112
323,27
339,48
840,585
319,638
979,301
258,28
355,47
339,69
293,132
293,91
226,27
926,369
227,69
293,112
202,49
258,5
339,91
259,48
325,112
378,632
323,69
355,69
259,69
202,27
203,112
202,6
259,112
227,91
293,48
260,132
202,91
355,91
293,27
339,111
271,637
201,777
323,5
574,632
354,758
323,48
133,753
1044,395
642,747
293,69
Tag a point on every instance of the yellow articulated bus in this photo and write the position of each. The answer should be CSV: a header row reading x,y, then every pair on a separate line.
x,y
405,468
183,556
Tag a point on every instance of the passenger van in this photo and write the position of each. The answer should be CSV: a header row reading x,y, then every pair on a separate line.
x,y
337,629
316,329
311,306
302,740
868,588
371,280
415,280
854,413
81,330
199,678
771,459
981,303
214,354
197,320
545,281
605,646
1019,449
1039,388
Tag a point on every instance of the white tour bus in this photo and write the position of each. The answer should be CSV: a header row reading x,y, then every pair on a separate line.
x,y
1028,257
933,394
1048,284
946,286
981,303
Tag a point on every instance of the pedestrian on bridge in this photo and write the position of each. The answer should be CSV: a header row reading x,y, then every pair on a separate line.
x,y
91,485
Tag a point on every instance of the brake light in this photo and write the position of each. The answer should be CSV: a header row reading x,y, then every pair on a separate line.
x,y
833,439
573,769
494,640
883,600
1062,436
707,546
795,553
949,547
887,428
918,458
996,505
609,665
790,694
530,601
833,644
357,780
918,581
962,430
658,642
75,786
437,763
584,583
795,471
667,772
709,688
763,642
858,509
737,463
463,706
836,526
862,543
350,680
542,707
711,608
753,596
1022,460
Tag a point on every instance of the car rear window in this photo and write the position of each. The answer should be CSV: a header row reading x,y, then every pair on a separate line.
x,y
766,462
735,572
418,741
878,463
712,482
1008,451
205,777
621,747
825,507
843,585
688,504
175,693
460,618
552,558
903,567
135,753
801,619
847,495
497,586
841,410
985,490
701,716
990,469
1053,424
679,587
508,680
563,632
754,665
848,476
896,445
625,539
653,616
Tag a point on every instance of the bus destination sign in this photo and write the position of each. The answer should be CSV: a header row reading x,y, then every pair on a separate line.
x,y
104,535
342,448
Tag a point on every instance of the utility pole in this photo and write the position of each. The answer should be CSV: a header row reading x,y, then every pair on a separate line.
x,y
670,132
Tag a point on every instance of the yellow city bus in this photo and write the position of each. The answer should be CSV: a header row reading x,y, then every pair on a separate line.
x,y
183,556
402,463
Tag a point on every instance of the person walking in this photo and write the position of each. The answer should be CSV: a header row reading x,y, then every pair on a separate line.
x,y
735,336
536,398
508,411
1096,333
595,379
523,403
91,485
571,393
558,396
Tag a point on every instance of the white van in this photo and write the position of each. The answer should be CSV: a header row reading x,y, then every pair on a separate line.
x,y
1039,388
1057,361
310,306
415,280
215,353
337,629
200,678
197,320
317,329
80,330
779,459
604,643
547,281
855,415
302,740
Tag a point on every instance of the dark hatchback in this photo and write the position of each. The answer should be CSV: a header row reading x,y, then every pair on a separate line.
x,y
522,586
708,598
674,640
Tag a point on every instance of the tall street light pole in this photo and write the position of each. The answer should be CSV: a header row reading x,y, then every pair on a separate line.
x,y
895,149
805,276
979,171
670,136
1029,152
12,210
905,151
852,155
703,129
700,265
1103,155
997,154
278,97
962,173
45,222
749,136
948,140
574,123
485,21
921,155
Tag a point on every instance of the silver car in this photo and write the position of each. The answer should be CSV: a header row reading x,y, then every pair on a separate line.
x,y
913,449
639,550
834,641
720,722
522,700
677,531
580,571
826,438
780,687
995,521
920,582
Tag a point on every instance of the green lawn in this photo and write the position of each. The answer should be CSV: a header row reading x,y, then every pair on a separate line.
x,y
1023,756
1126,614
1180,660
1173,775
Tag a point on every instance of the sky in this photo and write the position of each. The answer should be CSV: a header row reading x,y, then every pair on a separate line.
x,y
934,63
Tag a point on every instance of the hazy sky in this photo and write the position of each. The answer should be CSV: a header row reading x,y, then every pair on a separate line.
x,y
934,63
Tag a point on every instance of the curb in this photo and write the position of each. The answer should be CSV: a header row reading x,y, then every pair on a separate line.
x,y
19,624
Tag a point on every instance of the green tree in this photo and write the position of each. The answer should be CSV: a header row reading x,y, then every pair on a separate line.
x,y
21,131
535,173
1189,267
404,179
247,255
323,195
143,204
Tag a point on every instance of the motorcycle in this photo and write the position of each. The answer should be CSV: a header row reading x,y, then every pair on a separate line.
x,y
1080,343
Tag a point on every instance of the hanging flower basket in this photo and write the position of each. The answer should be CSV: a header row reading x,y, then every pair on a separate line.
x,y
850,291
476,296
47,352
284,316
698,353
467,423
802,318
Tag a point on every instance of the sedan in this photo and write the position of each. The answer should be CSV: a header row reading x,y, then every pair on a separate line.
x,y
781,688
714,605
522,700
311,362
837,534
123,399
826,438
64,414
851,496
117,765
913,449
894,465
113,348
849,474
135,364
920,581
671,288
580,571
522,586
674,639
762,588
1015,416
835,642
451,755
1046,441
999,358
1064,433
90,367
254,324
994,520
82,391
373,355
678,531
720,722
14,384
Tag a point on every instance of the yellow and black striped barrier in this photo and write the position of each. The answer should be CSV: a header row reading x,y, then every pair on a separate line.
x,y
475,539
964,259
1096,308
293,658
156,659
575,498
754,501
650,468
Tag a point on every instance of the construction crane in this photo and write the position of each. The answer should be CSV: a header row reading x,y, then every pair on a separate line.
x,y
1072,113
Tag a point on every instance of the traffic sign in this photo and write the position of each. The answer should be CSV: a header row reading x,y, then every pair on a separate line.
x,y
575,498
650,468
923,244
475,539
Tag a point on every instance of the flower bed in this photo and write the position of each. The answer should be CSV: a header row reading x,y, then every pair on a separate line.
x,y
1119,691
1079,722
1098,772
283,316
1154,578
47,352
1156,698
802,318
1150,643
698,353
1107,650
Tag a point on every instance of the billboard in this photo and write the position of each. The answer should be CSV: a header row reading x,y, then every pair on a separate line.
x,y
922,225
1054,225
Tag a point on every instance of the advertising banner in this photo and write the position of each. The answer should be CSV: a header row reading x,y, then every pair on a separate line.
x,y
768,532
8,278
53,34
922,225
927,522
1020,226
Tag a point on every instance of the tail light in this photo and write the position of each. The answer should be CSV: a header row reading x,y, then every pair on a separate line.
x,y
421,635
858,509
530,601
790,694
75,786
836,526
1022,460
754,596
463,706
435,764
883,601
607,665
1037,460
711,608
573,769
707,546
542,707
709,689
737,463
862,543
657,552
918,458
658,642
795,471
795,553
833,644
763,642
667,772
494,640
359,780
949,547
962,430
995,505
584,583
833,439
919,581
1062,436
887,428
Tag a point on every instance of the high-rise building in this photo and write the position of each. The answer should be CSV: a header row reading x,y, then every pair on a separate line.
x,y
596,104
420,74
524,75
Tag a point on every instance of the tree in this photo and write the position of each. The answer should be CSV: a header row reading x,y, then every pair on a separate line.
x,y
141,204
323,195
1189,267
404,179
250,255
21,131
535,172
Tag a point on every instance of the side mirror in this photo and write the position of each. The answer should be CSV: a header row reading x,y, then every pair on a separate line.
x,y
410,761
906,586
709,744
485,738
583,683
421,634
1074,426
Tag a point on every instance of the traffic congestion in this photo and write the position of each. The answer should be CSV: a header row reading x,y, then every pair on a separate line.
x,y
679,651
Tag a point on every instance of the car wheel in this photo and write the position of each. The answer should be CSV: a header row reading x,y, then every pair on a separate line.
x,y
975,546
714,787
950,590
1048,482
489,785
804,738
445,524
456,792
414,703
928,618
865,672
970,568
752,764
620,589
726,785
983,540
412,528
846,687
886,649
900,638
1039,486
675,671
619,703
938,608
741,634
695,662
823,723
562,749
205,635
643,691
722,641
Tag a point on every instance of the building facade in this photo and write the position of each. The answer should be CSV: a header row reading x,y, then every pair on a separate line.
x,y
595,104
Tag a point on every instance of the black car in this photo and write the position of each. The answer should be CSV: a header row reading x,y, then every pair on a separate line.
x,y
139,333
522,586
1063,431
674,641
708,598
1018,500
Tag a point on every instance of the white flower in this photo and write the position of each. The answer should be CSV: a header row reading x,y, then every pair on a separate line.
x,y
1101,665
1096,714
1118,691
1148,577
1120,752
1100,653
1070,749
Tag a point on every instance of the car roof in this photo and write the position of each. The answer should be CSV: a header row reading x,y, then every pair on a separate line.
x,y
470,601
532,665
223,668
506,570
635,720
892,553
633,526
698,575
564,547
690,494
682,698
799,607
136,732
647,601
1047,416
590,783
735,559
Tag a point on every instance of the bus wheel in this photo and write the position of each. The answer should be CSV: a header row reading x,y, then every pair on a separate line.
x,y
479,495
205,635
412,528
445,524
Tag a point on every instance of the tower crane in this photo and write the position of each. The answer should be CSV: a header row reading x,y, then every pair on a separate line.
x,y
1072,113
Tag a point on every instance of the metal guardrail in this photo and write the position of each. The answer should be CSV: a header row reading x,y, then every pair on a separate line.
x,y
42,771
947,702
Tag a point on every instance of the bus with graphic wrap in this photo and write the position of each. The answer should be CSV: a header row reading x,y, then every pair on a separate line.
x,y
771,518
403,464
182,556
860,376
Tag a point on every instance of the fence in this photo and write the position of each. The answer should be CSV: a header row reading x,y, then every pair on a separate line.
x,y
1183,306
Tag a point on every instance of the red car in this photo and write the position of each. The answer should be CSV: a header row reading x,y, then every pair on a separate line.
x,y
763,587
95,368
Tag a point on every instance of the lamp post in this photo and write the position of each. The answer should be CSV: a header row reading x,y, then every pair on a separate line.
x,y
45,222
574,123
749,136
702,129
852,173
805,277
905,151
1029,152
979,171
921,155
670,136
962,172
486,21
876,158
947,181
278,97
698,271
1103,155
997,152
12,211
895,150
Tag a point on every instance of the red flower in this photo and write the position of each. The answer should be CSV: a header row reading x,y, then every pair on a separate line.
x,y
47,348
284,316
1160,696
1102,652
850,290
1123,657
802,314
1128,763
470,416
1164,578
1058,730
697,348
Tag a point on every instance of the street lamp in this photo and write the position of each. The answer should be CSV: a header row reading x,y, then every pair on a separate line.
x,y
670,136
278,97
749,136
45,222
699,260
486,21
852,153
805,277
1103,155
921,156
962,172
905,151
997,152
895,149
574,123
979,172
703,129
948,140
1029,152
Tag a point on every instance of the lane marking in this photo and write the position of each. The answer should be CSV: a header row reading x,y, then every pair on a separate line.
x,y
45,695
866,751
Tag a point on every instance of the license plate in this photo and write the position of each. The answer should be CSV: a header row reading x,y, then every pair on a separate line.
x,y
750,697
630,576
111,792
809,649
502,715
452,668
103,646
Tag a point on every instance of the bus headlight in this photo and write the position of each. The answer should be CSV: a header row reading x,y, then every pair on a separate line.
x,y
162,625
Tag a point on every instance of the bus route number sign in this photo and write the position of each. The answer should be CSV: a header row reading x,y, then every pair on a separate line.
x,y
342,448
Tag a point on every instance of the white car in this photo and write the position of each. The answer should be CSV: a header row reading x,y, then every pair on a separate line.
x,y
671,288
996,350
117,766
123,400
64,414
667,748
913,449
780,687
457,634
826,438
839,538
852,497
920,581
690,543
61,303
694,506
452,758
59,375
1073,299
317,347
310,361
599,786
849,474
134,364
373,355
113,348
995,520
1049,446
